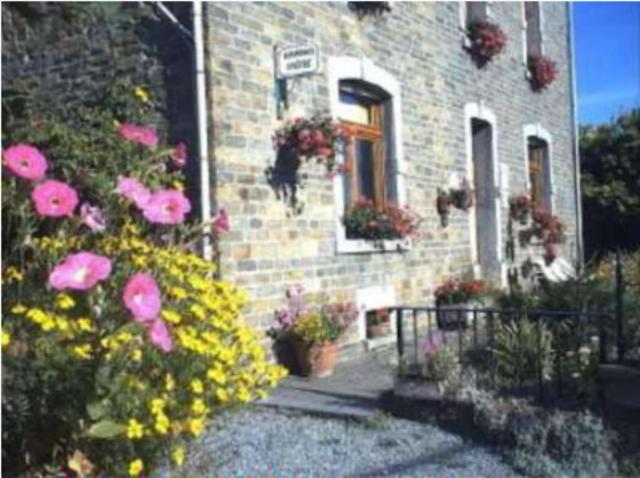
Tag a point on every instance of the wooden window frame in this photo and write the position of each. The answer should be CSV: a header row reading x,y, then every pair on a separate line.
x,y
538,164
374,133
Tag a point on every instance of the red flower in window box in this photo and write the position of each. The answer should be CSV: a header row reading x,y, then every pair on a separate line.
x,y
456,291
364,221
487,40
542,71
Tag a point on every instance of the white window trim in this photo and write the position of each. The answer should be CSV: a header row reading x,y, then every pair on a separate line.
x,y
344,68
537,131
462,12
480,111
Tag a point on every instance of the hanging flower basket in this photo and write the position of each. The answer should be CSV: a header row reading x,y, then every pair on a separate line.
x,y
520,208
364,221
460,198
487,40
542,72
315,139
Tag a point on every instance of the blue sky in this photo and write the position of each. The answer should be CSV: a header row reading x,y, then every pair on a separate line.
x,y
607,49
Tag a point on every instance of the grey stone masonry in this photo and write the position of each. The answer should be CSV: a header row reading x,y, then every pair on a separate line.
x,y
420,45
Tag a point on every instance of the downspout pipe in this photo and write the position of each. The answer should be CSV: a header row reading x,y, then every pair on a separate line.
x,y
576,134
203,138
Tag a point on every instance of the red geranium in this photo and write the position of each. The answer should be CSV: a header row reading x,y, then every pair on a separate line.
x,y
542,70
487,40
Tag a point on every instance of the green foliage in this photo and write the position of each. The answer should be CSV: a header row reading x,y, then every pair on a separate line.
x,y
611,182
521,351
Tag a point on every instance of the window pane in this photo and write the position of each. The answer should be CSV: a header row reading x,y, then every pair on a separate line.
x,y
364,168
534,34
476,12
353,109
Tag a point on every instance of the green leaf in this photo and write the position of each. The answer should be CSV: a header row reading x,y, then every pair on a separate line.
x,y
106,429
96,410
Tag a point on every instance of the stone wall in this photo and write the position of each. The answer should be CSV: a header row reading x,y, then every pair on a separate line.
x,y
63,55
269,248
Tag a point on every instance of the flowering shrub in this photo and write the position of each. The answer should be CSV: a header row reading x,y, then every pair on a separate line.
x,y
458,292
441,363
313,324
487,40
118,345
542,71
312,139
364,221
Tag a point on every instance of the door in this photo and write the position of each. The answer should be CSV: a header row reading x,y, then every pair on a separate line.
x,y
486,205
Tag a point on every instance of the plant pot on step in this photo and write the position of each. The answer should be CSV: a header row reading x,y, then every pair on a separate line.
x,y
450,317
316,360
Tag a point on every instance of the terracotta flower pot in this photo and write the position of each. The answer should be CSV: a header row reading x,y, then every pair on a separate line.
x,y
316,360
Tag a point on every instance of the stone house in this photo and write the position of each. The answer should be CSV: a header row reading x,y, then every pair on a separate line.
x,y
429,115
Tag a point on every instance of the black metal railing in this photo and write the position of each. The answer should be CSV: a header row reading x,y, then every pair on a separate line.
x,y
472,333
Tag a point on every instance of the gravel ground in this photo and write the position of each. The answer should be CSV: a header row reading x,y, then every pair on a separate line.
x,y
265,443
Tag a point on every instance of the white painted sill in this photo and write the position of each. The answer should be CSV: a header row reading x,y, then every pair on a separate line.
x,y
362,246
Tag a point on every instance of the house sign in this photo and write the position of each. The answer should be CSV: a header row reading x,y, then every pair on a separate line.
x,y
297,60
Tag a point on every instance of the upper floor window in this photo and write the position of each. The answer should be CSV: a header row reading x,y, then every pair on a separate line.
x,y
533,25
539,173
476,12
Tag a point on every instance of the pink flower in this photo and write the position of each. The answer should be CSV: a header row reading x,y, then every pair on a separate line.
x,y
432,343
179,156
54,198
166,207
221,221
25,161
324,152
80,271
139,134
133,190
160,336
92,217
142,297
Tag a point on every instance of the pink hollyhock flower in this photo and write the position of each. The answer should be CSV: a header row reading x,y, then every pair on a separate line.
x,y
142,297
179,156
139,134
92,217
324,152
160,336
54,198
80,271
166,207
25,161
221,221
318,138
133,190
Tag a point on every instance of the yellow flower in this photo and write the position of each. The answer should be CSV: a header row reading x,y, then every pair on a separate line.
x,y
169,383
85,324
157,405
65,301
178,185
196,426
243,395
222,395
171,316
198,407
196,386
136,467
136,355
178,292
217,375
177,455
12,274
141,94
135,429
18,309
82,351
162,424
6,338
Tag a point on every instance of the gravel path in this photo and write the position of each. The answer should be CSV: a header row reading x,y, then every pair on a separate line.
x,y
265,443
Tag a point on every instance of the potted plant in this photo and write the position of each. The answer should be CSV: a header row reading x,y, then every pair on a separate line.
x,y
454,295
315,335
542,71
486,41
378,323
364,220
462,197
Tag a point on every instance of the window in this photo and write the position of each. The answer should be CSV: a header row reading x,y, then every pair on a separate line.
x,y
367,98
539,182
362,111
533,27
476,12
